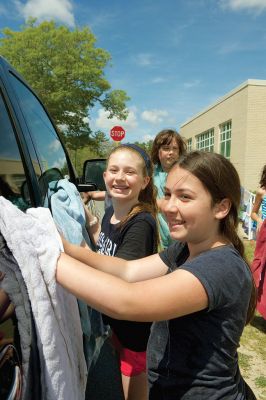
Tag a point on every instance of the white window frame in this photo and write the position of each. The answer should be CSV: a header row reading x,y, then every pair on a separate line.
x,y
225,138
189,145
205,141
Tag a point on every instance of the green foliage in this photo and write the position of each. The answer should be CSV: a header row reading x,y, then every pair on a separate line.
x,y
78,156
67,71
114,102
146,146
102,144
244,361
249,249
260,381
100,149
252,354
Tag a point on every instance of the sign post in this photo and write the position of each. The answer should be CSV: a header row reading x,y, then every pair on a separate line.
x,y
117,133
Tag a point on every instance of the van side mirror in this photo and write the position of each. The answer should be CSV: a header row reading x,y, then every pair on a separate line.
x,y
86,187
93,172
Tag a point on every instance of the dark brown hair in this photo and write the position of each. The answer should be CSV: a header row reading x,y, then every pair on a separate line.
x,y
165,137
147,197
220,178
263,178
5,189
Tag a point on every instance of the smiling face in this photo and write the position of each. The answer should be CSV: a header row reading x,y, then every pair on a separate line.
x,y
168,155
124,178
188,208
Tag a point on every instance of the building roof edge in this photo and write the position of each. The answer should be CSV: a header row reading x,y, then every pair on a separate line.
x,y
248,82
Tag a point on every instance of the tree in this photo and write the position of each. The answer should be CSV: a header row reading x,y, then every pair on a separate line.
x,y
147,146
99,147
67,71
102,144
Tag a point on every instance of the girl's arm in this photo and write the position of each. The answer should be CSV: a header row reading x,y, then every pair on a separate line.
x,y
256,206
94,195
8,313
4,303
130,271
169,296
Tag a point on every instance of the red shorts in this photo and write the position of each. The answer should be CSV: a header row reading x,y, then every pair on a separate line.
x,y
132,363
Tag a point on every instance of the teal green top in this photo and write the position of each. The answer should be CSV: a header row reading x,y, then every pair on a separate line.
x,y
159,179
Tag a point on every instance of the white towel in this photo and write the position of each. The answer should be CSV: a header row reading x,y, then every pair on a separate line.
x,y
35,244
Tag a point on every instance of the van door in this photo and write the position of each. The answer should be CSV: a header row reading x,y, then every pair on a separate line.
x,y
15,169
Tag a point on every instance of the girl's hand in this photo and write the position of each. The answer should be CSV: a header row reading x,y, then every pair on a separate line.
x,y
86,197
259,225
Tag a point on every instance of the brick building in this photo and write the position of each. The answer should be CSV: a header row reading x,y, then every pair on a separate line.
x,y
235,126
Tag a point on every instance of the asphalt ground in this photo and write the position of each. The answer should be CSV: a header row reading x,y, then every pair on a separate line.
x,y
104,379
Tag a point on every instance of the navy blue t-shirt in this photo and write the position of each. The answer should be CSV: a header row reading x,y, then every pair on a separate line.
x,y
137,238
194,357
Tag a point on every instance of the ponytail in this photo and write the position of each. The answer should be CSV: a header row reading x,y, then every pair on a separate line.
x,y
214,170
229,229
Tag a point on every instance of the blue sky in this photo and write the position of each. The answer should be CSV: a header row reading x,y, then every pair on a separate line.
x,y
172,57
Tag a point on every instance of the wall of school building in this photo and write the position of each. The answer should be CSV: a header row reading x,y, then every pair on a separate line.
x,y
235,126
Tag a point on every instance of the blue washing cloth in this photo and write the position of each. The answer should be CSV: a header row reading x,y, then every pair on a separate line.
x,y
68,211
69,215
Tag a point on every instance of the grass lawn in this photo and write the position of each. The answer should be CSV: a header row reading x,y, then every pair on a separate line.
x,y
252,351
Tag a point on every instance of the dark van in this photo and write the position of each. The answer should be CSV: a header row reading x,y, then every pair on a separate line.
x,y
31,156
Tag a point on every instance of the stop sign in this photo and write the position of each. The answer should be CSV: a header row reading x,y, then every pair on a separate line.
x,y
117,133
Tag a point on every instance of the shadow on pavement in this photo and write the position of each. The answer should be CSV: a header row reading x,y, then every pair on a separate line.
x,y
259,323
104,380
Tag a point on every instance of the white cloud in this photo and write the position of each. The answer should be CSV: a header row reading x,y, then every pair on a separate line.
x,y
158,79
235,5
60,10
59,163
229,48
71,113
86,120
191,84
101,19
55,145
147,138
3,10
154,116
63,127
104,123
144,59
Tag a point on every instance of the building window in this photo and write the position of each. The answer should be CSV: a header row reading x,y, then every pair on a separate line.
x,y
205,141
225,139
189,145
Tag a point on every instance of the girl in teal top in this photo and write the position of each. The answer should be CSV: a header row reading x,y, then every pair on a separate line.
x,y
167,147
260,201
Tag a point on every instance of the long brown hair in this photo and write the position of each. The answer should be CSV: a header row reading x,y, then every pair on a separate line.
x,y
147,197
220,178
165,137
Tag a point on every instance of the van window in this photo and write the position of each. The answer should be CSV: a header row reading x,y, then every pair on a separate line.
x,y
12,174
50,153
